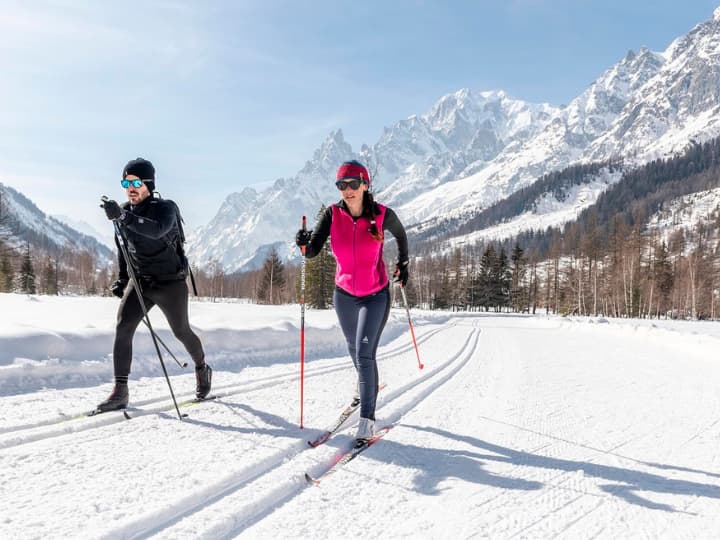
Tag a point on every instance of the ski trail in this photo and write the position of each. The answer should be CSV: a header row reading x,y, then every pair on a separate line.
x,y
264,500
142,405
74,423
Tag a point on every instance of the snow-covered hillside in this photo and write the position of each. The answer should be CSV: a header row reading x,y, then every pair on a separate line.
x,y
22,221
547,211
518,427
106,236
686,212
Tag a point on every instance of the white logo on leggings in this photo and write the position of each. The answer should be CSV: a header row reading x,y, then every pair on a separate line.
x,y
365,340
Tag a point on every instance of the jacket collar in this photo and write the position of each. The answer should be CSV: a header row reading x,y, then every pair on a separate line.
x,y
143,205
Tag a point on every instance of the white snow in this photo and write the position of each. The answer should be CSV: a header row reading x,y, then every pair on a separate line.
x,y
518,427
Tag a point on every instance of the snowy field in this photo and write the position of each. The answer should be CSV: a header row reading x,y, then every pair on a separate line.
x,y
518,427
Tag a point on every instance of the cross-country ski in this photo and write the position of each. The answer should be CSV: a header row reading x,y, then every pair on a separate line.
x,y
340,422
346,456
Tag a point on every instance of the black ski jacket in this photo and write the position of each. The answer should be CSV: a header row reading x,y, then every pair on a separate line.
x,y
152,233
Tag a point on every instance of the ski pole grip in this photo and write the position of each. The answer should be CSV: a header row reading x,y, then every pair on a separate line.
x,y
304,223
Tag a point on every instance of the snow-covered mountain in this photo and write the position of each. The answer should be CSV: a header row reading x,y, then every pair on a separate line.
x,y
475,148
460,128
681,103
562,141
22,221
463,130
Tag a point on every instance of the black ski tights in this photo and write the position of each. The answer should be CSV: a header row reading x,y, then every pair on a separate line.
x,y
172,298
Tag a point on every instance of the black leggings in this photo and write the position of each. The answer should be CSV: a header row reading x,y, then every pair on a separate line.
x,y
362,320
172,298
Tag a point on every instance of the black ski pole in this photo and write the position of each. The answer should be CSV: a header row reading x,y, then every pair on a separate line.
x,y
138,291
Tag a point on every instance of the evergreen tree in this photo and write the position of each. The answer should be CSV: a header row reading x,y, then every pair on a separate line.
x,y
472,288
518,293
50,277
272,280
501,280
663,273
7,273
457,280
411,293
27,273
320,276
443,295
485,278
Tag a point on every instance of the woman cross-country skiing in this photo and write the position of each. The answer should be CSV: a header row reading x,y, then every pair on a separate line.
x,y
362,297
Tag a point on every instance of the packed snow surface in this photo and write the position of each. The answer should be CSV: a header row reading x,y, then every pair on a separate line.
x,y
518,427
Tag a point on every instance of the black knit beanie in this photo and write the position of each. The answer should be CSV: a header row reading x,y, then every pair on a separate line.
x,y
143,169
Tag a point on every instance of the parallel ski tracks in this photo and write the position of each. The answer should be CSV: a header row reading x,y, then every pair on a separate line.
x,y
75,422
394,404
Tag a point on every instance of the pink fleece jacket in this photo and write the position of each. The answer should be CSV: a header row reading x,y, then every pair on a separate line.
x,y
360,266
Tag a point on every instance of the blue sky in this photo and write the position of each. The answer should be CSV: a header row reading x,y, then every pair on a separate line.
x,y
224,94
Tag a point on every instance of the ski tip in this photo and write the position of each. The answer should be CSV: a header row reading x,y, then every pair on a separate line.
x,y
318,442
96,412
195,401
310,480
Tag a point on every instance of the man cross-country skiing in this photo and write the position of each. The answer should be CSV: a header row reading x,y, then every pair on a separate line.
x,y
151,229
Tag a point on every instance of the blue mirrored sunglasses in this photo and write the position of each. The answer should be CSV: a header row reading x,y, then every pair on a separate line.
x,y
134,183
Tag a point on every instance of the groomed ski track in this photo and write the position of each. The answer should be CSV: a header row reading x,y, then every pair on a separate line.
x,y
518,427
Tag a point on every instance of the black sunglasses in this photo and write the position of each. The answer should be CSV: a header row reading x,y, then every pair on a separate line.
x,y
342,185
134,183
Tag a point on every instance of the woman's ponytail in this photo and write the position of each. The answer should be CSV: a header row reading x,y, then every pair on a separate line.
x,y
370,210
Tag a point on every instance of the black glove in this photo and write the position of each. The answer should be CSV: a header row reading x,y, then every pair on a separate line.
x,y
112,210
302,238
401,273
118,288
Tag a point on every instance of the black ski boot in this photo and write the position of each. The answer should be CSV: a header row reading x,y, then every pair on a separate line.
x,y
118,399
203,378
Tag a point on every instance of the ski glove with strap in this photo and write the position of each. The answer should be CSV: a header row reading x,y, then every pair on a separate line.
x,y
302,238
401,272
118,288
113,210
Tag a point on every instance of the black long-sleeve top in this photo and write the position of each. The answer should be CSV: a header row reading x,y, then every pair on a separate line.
x,y
152,232
390,223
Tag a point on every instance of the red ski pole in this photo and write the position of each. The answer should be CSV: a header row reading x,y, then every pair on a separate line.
x,y
302,326
412,330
